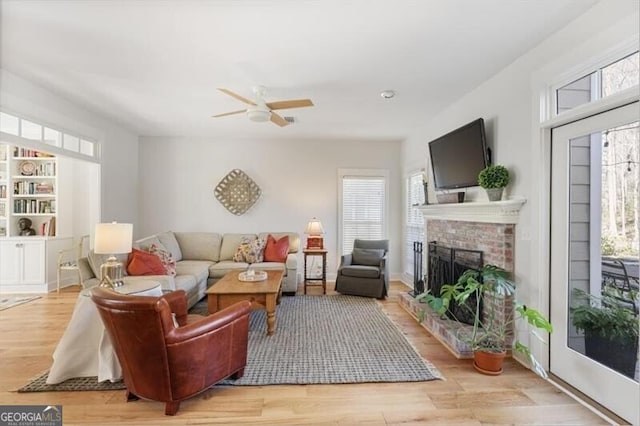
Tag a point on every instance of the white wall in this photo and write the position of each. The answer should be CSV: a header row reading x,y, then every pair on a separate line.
x,y
510,104
119,171
298,181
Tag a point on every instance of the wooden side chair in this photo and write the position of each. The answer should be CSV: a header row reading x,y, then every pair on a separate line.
x,y
68,260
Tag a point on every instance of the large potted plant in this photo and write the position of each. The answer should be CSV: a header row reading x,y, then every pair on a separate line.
x,y
610,326
494,179
492,332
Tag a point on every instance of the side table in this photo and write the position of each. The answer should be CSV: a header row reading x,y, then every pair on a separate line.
x,y
308,280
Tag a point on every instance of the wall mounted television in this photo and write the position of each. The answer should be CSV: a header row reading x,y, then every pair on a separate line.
x,y
458,157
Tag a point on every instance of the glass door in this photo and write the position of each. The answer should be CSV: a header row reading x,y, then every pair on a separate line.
x,y
595,195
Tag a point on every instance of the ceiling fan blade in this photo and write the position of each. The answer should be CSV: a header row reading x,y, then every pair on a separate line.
x,y
238,97
292,103
229,113
275,118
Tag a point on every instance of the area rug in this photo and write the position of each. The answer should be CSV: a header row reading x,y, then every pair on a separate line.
x,y
7,302
318,339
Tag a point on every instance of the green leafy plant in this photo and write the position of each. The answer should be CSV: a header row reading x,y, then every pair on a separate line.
x,y
494,176
492,331
609,315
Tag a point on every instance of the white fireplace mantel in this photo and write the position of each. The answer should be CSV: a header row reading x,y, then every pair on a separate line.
x,y
506,211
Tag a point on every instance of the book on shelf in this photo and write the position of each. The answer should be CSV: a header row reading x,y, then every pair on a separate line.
x,y
48,228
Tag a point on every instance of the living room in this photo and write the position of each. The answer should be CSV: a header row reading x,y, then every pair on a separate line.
x,y
164,179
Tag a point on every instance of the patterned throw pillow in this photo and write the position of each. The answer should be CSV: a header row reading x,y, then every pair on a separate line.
x,y
165,257
250,251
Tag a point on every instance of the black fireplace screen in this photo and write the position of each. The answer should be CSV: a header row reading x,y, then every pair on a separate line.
x,y
446,265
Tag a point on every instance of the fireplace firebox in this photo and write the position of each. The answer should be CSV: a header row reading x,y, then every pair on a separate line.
x,y
446,265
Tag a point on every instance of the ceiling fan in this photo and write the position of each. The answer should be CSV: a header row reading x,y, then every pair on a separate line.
x,y
261,111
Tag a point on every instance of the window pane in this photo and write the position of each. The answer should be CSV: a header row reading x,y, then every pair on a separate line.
x,y
9,124
52,137
363,202
620,75
414,223
71,143
31,130
577,93
86,147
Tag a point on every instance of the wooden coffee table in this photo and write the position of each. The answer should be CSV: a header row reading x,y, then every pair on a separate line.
x,y
262,294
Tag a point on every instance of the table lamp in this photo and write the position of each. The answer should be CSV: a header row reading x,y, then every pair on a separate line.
x,y
314,231
112,238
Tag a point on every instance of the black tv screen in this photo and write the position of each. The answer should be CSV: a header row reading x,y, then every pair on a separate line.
x,y
458,157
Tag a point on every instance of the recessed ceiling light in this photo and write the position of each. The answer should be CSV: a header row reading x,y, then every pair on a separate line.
x,y
387,94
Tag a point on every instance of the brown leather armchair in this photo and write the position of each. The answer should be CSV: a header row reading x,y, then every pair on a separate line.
x,y
164,362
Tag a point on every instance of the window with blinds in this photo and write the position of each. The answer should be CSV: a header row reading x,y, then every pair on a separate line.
x,y
414,220
363,209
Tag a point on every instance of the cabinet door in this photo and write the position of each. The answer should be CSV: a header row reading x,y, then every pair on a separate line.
x,y
10,255
33,262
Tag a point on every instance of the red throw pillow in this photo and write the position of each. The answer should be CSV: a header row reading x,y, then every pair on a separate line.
x,y
143,263
276,250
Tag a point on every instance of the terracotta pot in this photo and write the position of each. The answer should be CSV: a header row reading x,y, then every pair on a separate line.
x,y
488,362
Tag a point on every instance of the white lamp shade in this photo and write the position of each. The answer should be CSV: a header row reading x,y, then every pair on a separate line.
x,y
314,227
113,238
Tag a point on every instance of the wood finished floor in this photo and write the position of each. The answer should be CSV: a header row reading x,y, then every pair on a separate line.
x,y
30,332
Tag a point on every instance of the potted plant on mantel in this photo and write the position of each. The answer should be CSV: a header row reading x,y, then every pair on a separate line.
x,y
492,332
494,179
610,326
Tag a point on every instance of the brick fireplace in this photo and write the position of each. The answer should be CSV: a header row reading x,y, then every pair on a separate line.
x,y
488,227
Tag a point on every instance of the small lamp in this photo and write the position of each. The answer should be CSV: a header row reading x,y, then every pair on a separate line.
x,y
112,238
314,231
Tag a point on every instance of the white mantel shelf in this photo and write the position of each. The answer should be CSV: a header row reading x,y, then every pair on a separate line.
x,y
506,211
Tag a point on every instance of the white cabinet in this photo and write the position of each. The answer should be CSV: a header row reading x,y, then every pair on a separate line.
x,y
28,264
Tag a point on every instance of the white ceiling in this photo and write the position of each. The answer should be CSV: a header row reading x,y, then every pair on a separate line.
x,y
154,66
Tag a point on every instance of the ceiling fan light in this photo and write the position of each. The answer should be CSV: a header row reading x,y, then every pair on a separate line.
x,y
259,116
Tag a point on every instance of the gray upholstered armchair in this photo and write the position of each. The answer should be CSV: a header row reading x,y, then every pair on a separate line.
x,y
365,272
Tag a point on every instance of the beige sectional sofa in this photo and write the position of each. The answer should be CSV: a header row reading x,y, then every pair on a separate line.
x,y
202,258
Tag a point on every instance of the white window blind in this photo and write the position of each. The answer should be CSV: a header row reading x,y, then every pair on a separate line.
x,y
414,220
363,209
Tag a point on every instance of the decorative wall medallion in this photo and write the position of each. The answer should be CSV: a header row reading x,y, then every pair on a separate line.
x,y
237,192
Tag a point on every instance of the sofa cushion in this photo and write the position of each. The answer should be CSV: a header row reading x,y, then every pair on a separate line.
x,y
144,263
199,245
96,260
270,266
185,282
276,250
169,241
197,268
166,259
294,239
145,243
250,250
361,271
230,243
369,257
221,268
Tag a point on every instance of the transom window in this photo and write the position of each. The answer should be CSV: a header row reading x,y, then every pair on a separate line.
x,y
68,143
605,81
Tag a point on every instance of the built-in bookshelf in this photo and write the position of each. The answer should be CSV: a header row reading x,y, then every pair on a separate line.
x,y
28,189
4,189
